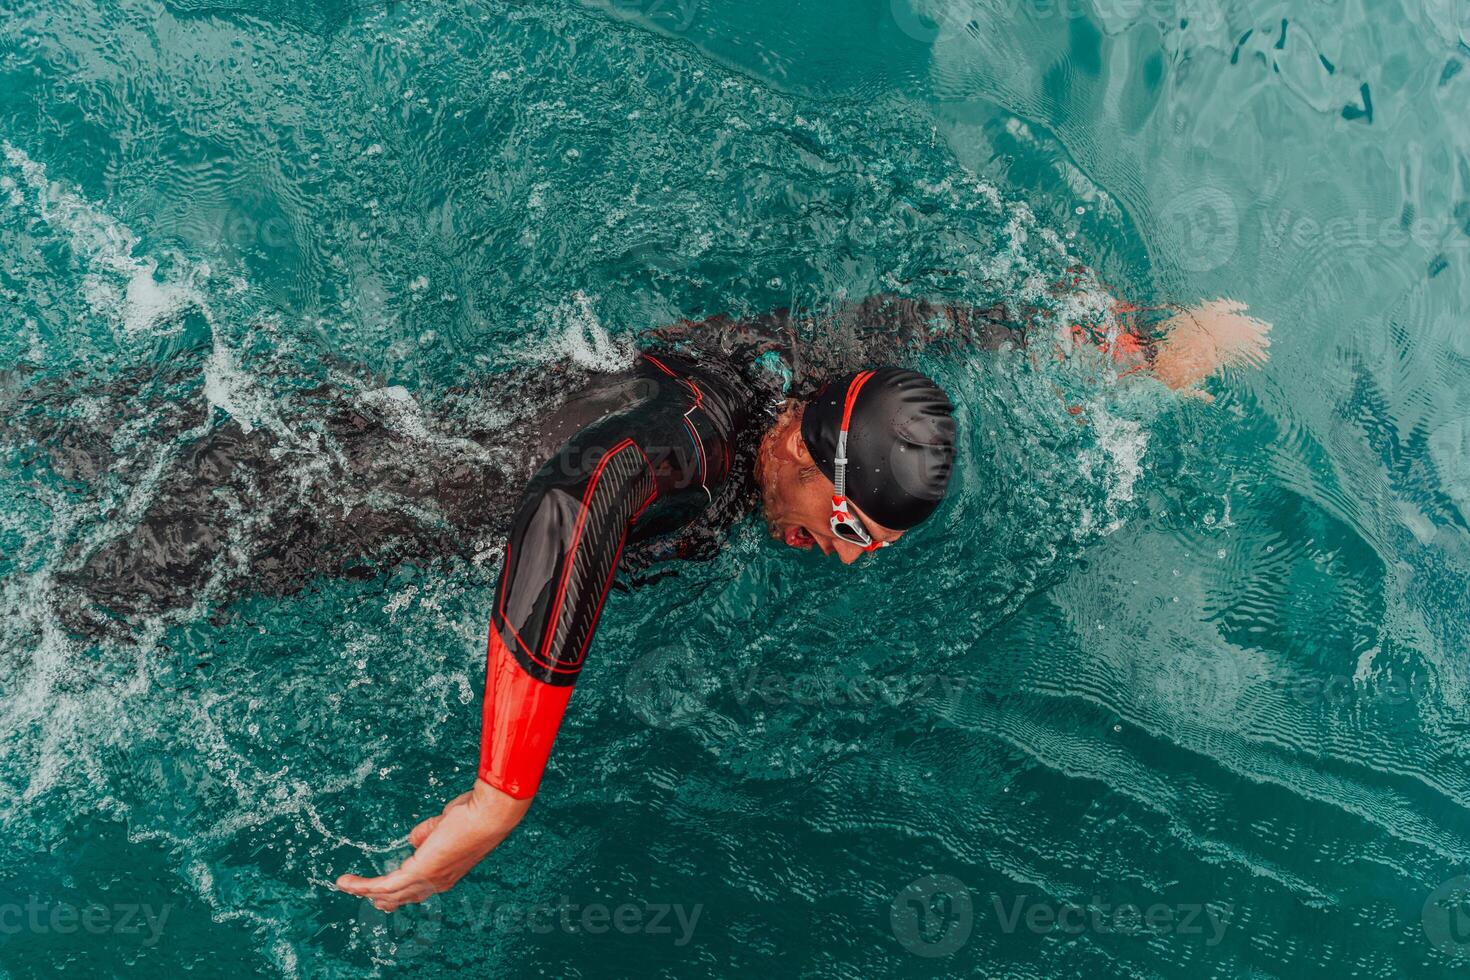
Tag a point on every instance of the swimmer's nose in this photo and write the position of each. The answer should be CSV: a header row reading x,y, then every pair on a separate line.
x,y
849,553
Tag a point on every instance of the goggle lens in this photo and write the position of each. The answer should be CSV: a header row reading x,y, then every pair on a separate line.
x,y
849,528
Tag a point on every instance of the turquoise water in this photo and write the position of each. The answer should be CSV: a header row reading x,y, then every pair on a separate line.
x,y
1181,691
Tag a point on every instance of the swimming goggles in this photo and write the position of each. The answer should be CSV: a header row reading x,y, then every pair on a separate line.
x,y
845,524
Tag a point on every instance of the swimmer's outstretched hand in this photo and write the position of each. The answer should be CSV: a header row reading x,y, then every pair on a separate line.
x,y
1203,339
446,847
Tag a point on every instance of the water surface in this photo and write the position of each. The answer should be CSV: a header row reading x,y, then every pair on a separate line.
x,y
1203,660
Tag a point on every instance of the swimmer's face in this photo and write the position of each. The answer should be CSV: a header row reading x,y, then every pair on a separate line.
x,y
797,496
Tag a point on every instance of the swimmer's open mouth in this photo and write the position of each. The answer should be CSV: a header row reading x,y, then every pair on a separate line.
x,y
799,537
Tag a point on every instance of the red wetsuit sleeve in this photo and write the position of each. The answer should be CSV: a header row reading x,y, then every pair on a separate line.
x,y
559,563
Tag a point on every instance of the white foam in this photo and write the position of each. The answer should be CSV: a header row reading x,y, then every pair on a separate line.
x,y
1117,461
580,337
35,348
402,412
1364,669
232,390
118,285
149,304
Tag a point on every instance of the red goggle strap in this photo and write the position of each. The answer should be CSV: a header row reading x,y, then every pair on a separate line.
x,y
853,388
840,460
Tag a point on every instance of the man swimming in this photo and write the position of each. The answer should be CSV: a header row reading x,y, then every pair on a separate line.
x,y
658,461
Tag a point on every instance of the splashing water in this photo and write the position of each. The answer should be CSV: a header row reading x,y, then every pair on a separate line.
x,y
1152,653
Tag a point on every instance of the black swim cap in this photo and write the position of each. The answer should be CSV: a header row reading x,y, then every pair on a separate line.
x,y
900,443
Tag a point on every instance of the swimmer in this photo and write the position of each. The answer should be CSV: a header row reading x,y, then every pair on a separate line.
x,y
655,462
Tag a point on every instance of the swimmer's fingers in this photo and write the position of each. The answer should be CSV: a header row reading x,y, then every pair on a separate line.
x,y
1200,341
387,892
375,887
414,891
394,880
446,848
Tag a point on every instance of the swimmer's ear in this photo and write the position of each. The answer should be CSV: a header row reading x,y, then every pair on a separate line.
x,y
790,444
795,447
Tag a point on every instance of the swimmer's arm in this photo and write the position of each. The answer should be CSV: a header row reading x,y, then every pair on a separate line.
x,y
446,848
566,542
1192,344
1204,339
915,324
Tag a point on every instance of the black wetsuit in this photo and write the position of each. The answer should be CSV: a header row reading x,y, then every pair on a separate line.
x,y
641,465
648,452
659,458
